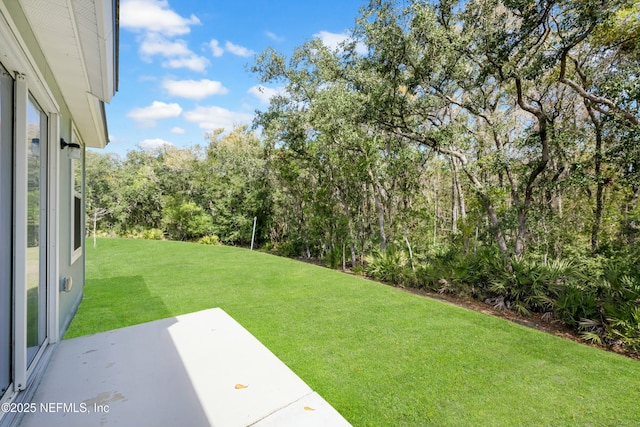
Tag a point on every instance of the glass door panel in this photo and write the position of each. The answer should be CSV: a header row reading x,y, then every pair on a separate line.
x,y
36,229
6,227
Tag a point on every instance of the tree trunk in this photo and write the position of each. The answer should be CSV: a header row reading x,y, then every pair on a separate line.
x,y
595,232
406,241
352,248
494,222
303,228
95,226
544,128
380,208
454,200
352,236
600,184
435,219
458,208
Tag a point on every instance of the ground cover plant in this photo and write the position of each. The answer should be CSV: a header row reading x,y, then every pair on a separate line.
x,y
379,355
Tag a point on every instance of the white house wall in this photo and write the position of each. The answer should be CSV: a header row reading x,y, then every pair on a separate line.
x,y
67,301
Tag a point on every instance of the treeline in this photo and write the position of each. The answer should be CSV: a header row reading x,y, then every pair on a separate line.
x,y
209,195
484,148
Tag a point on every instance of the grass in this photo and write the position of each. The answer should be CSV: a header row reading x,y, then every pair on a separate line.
x,y
380,356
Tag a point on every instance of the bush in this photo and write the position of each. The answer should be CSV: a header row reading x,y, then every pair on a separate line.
x,y
532,286
153,234
288,248
209,240
335,257
133,233
606,309
391,266
186,221
454,272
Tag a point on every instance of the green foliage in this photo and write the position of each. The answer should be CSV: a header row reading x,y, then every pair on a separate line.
x,y
499,139
231,185
186,221
391,266
287,248
333,258
153,234
605,309
454,271
209,240
531,285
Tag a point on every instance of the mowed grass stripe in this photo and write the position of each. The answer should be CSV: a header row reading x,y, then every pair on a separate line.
x,y
380,356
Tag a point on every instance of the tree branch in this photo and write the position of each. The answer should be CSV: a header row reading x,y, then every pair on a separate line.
x,y
612,107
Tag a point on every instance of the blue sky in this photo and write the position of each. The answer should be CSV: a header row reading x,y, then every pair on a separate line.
x,y
184,63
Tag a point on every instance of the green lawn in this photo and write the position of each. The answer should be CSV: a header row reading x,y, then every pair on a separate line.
x,y
380,356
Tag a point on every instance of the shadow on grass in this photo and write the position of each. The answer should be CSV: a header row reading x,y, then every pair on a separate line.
x,y
117,302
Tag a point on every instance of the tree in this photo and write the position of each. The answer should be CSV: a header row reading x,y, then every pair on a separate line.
x,y
102,184
231,181
186,220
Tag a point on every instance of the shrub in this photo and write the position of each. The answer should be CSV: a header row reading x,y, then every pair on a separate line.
x,y
333,258
605,309
288,248
531,286
186,221
153,234
390,266
454,272
209,240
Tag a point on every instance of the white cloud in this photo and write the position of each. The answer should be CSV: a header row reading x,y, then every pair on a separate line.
x,y
216,50
210,118
193,63
155,44
264,94
194,89
159,24
273,36
333,41
154,16
154,144
238,50
178,130
178,53
148,116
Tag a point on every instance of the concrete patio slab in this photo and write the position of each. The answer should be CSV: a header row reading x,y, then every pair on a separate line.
x,y
310,411
199,369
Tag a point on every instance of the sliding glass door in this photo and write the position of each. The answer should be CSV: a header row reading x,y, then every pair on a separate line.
x,y
6,234
30,152
36,229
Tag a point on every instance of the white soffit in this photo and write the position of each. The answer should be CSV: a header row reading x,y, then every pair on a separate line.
x,y
77,39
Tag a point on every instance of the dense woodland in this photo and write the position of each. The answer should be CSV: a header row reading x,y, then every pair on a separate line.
x,y
481,148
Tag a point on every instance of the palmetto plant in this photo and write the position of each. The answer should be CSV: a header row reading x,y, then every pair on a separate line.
x,y
531,286
389,266
605,310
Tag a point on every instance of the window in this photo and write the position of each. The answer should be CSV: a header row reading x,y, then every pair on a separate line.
x,y
76,203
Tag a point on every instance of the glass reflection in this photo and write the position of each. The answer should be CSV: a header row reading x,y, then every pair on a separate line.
x,y
36,230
